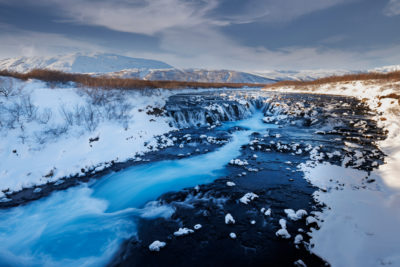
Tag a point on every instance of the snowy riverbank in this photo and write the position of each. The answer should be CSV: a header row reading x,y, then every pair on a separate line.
x,y
48,132
360,223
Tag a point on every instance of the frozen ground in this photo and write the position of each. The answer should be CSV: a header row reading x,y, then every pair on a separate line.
x,y
360,225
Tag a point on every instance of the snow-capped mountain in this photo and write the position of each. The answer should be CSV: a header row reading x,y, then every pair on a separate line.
x,y
300,75
81,63
147,69
385,69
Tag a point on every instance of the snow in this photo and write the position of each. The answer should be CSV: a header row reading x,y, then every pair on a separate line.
x,y
229,219
232,235
248,197
32,149
361,225
230,183
156,245
183,231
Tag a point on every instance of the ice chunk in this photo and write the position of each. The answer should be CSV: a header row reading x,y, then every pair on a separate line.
x,y
297,239
299,263
282,222
283,233
248,197
229,219
197,226
37,190
183,231
295,215
156,245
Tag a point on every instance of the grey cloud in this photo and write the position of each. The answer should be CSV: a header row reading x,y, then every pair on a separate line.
x,y
392,8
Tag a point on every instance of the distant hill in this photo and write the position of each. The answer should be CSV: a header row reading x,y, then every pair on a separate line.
x,y
81,63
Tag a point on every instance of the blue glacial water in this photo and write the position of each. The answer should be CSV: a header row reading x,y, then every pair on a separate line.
x,y
85,225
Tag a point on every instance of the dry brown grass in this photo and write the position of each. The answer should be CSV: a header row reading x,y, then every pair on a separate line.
x,y
387,77
104,82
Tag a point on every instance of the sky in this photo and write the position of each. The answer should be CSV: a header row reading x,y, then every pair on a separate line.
x,y
231,34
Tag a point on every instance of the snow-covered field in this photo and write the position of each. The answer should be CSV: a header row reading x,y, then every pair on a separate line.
x,y
359,227
49,133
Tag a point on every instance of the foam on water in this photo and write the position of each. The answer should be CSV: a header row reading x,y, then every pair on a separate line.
x,y
85,225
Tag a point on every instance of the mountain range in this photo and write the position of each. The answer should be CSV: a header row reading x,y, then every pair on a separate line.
x,y
148,69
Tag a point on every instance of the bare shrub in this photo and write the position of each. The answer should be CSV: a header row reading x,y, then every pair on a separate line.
x,y
67,115
29,110
45,116
14,112
90,118
50,133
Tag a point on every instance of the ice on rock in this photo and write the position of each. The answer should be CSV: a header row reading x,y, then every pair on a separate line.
x,y
252,222
238,162
230,183
156,245
267,212
283,233
311,220
282,223
37,190
229,219
297,239
299,263
294,216
197,226
183,231
232,235
248,197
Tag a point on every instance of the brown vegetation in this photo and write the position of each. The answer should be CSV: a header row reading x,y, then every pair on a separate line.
x,y
105,82
391,76
394,96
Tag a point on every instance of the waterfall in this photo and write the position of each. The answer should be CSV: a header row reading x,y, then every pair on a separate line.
x,y
206,111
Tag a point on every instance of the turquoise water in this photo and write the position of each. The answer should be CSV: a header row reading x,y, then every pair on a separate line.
x,y
85,225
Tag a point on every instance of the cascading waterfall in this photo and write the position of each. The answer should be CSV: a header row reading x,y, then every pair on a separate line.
x,y
213,112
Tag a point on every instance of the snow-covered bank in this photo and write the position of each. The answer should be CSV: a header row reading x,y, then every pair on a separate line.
x,y
360,223
361,226
48,133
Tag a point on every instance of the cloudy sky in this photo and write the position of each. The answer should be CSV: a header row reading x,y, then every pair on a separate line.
x,y
232,34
